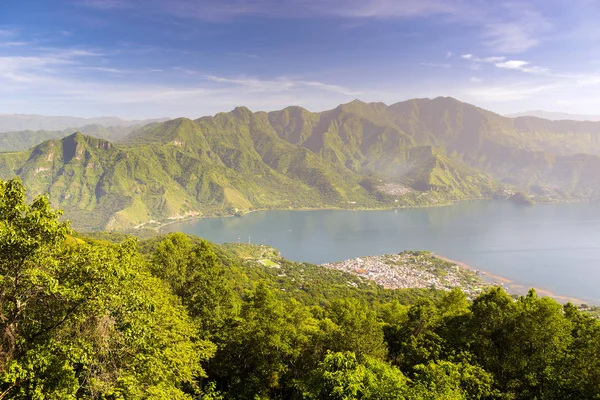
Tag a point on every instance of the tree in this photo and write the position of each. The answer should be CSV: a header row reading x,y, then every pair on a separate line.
x,y
260,348
356,329
580,370
343,376
521,342
195,274
448,380
84,320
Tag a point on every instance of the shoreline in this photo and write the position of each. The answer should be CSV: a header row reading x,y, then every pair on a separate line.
x,y
161,225
510,286
515,288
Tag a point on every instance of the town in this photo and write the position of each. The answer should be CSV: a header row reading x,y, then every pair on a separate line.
x,y
414,269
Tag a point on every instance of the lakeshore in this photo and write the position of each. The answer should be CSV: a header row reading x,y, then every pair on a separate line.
x,y
552,247
422,269
510,286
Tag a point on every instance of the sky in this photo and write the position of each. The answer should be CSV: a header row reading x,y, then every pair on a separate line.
x,y
171,58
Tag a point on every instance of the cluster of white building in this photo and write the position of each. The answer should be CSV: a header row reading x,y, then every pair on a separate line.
x,y
394,189
405,270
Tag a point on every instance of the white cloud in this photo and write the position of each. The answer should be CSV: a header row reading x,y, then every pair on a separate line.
x,y
522,66
475,79
502,63
512,64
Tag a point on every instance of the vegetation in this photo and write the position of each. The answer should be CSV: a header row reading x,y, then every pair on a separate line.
x,y
415,153
522,199
176,317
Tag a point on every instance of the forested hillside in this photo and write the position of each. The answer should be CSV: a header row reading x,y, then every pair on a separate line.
x,y
176,317
359,155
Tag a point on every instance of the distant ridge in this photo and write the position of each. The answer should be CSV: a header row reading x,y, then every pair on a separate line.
x,y
33,122
555,116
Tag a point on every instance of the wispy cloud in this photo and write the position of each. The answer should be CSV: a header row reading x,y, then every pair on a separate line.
x,y
522,66
436,65
280,84
471,57
521,29
85,81
502,63
224,9
507,27
4,33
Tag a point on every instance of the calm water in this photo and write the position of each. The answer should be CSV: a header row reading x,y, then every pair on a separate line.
x,y
554,247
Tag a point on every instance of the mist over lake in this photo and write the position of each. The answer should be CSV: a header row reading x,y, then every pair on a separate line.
x,y
551,246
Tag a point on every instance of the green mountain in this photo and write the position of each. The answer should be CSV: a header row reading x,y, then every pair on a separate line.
x,y
358,155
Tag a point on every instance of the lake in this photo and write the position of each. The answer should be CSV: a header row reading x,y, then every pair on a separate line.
x,y
550,246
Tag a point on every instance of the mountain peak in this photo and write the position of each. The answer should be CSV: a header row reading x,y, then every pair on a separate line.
x,y
360,107
242,112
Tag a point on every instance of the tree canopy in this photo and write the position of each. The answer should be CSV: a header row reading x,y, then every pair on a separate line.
x,y
177,317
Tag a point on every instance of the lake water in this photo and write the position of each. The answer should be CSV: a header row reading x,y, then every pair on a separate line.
x,y
554,247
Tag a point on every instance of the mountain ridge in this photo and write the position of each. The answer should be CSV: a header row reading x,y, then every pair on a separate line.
x,y
36,122
357,155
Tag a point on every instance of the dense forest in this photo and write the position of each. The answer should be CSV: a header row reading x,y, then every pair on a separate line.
x,y
176,317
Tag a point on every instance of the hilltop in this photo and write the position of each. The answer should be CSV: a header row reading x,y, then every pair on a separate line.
x,y
358,155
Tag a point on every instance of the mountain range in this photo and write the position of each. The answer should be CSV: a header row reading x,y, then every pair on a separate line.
x,y
358,155
33,122
23,140
555,116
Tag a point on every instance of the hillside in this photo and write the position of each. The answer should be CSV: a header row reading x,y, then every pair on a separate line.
x,y
176,317
358,155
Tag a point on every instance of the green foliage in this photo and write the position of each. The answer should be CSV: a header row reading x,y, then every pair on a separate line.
x,y
84,320
180,318
195,275
340,376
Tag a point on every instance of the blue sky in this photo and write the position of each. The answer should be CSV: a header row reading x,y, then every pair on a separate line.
x,y
156,58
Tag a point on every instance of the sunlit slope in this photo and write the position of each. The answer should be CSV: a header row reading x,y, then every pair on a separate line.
x,y
184,170
420,152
